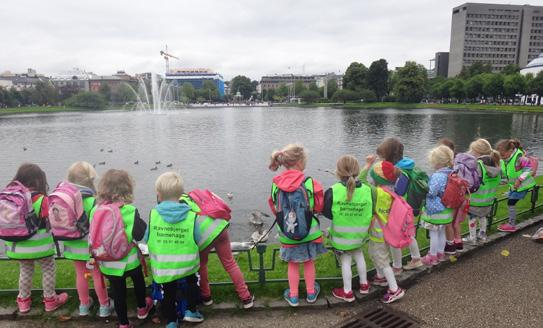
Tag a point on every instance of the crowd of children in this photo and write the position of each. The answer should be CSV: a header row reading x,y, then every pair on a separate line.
x,y
364,206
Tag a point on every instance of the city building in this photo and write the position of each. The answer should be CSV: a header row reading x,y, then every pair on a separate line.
x,y
275,81
496,34
22,81
113,81
196,77
76,79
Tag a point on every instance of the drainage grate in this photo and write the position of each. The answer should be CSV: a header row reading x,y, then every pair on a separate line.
x,y
380,317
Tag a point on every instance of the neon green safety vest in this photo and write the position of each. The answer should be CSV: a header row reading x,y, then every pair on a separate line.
x,y
130,261
314,231
440,218
487,191
173,251
38,246
79,249
351,219
208,228
383,202
510,172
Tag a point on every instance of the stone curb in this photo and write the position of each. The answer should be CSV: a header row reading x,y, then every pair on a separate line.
x,y
407,279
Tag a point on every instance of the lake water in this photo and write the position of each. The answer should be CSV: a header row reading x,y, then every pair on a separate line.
x,y
228,149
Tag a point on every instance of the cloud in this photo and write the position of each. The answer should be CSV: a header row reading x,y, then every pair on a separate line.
x,y
233,37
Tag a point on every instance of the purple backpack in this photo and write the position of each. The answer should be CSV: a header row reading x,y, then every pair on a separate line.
x,y
17,218
66,215
465,167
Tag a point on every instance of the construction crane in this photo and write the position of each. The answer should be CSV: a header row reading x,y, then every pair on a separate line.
x,y
164,53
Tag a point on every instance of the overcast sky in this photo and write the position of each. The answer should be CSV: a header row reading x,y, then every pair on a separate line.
x,y
248,37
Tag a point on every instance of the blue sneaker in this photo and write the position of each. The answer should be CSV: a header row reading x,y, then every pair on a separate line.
x,y
312,298
84,309
193,316
106,310
292,301
172,325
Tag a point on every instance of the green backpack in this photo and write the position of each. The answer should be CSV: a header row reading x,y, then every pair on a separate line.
x,y
417,189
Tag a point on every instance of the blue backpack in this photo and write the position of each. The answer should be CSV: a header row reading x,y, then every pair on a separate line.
x,y
293,211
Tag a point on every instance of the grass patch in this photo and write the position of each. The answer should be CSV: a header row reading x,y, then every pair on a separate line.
x,y
49,109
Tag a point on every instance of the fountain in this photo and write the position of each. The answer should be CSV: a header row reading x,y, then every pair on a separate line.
x,y
160,97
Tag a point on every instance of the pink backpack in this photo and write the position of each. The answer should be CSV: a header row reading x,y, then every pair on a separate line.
x,y
17,218
455,192
66,215
534,164
210,204
107,239
400,227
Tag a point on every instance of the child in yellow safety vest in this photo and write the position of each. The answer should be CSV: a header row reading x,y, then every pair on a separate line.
x,y
82,174
517,170
117,186
381,175
39,248
173,248
348,204
481,201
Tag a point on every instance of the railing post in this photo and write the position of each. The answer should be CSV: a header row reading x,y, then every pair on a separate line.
x,y
492,214
261,250
534,198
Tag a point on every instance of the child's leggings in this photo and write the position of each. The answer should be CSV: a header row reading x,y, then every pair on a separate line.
x,y
472,223
224,252
511,203
437,240
397,253
118,287
294,277
82,283
346,259
26,271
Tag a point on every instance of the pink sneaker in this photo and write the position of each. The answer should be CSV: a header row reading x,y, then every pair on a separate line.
x,y
24,304
441,257
430,260
506,227
340,294
144,311
54,302
130,325
364,289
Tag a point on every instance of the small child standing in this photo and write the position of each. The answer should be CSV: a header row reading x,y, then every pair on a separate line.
x,y
348,204
117,186
517,169
82,175
434,214
174,255
39,248
480,204
306,250
381,176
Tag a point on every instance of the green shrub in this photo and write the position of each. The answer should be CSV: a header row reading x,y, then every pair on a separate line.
x,y
87,99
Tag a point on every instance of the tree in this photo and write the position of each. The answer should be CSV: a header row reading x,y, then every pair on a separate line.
x,y
282,91
474,87
536,84
299,87
123,94
355,77
309,96
475,69
268,94
313,86
367,95
457,89
513,84
105,90
209,91
492,85
377,78
331,86
187,92
242,84
87,99
411,82
510,69
345,95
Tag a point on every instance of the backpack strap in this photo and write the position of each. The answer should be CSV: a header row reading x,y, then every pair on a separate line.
x,y
309,193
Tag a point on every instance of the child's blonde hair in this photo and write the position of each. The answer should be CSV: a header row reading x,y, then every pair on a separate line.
x,y
347,170
83,174
169,185
481,147
288,156
441,156
116,186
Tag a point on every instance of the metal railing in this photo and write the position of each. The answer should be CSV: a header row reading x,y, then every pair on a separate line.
x,y
260,266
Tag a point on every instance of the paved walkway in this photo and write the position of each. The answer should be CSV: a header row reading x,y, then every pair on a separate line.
x,y
484,289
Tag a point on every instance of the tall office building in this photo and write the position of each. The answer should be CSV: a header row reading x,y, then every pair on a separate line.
x,y
495,34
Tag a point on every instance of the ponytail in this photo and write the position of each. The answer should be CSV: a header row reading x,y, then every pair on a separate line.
x,y
508,144
495,155
276,160
351,185
288,157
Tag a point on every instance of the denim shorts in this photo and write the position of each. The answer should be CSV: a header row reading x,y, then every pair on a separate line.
x,y
302,253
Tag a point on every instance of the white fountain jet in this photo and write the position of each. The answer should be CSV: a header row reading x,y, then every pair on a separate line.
x,y
155,100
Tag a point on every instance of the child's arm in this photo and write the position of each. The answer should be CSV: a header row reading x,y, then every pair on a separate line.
x,y
328,201
138,231
370,159
524,164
